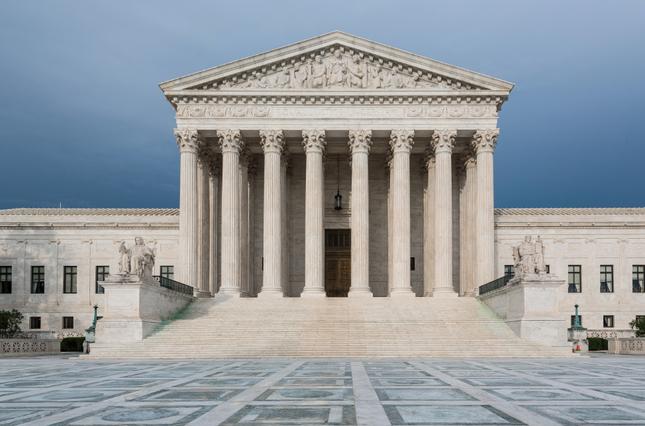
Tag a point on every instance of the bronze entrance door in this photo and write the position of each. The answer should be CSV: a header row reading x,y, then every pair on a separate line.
x,y
337,262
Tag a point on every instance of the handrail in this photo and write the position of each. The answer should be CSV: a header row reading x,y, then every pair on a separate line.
x,y
173,285
495,284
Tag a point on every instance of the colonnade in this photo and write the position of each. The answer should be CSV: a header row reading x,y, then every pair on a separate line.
x,y
199,211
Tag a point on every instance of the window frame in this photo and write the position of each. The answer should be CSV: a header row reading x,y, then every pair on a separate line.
x,y
638,284
573,320
37,279
509,271
71,272
167,271
100,274
574,271
6,279
32,320
65,325
608,283
604,321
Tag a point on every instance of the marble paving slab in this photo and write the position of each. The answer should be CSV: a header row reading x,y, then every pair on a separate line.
x,y
70,391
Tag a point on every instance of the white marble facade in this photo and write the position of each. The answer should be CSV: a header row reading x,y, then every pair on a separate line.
x,y
266,142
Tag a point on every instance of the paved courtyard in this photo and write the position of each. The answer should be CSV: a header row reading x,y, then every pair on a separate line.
x,y
62,391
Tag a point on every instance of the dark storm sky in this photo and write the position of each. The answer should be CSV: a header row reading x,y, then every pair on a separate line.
x,y
83,122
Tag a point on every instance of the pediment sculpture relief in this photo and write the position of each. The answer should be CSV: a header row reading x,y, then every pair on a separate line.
x,y
337,69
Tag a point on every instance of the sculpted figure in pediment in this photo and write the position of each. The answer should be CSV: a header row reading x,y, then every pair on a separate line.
x,y
337,70
373,76
300,77
318,73
356,72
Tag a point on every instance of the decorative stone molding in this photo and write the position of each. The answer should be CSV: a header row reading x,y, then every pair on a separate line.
x,y
401,140
333,67
230,140
187,140
313,140
485,140
360,140
272,140
443,141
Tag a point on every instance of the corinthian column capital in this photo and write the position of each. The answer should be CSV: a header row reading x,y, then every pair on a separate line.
x,y
401,140
485,140
360,140
443,141
187,140
313,140
272,140
230,140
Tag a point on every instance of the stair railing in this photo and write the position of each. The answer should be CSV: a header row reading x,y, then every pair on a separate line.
x,y
173,285
495,284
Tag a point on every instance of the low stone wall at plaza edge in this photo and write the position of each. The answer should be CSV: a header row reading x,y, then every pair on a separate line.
x,y
28,346
630,346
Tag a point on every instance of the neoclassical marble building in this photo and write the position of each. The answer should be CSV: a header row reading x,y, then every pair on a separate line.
x,y
335,166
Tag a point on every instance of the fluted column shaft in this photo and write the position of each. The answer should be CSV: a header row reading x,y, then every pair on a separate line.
x,y
231,143
203,214
360,142
470,254
314,145
390,231
272,142
187,141
428,226
215,169
401,142
244,223
443,142
484,142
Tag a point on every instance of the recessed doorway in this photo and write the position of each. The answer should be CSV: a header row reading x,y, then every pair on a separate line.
x,y
338,267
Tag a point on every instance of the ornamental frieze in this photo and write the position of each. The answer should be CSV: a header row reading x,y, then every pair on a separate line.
x,y
323,111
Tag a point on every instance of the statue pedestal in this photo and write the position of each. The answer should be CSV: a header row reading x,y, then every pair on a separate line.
x,y
134,307
578,337
529,306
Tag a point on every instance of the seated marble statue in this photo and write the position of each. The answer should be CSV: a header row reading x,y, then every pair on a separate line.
x,y
142,259
529,257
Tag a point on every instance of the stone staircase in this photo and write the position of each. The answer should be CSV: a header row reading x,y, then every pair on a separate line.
x,y
225,327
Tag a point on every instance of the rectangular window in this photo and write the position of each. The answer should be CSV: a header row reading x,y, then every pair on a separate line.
x,y
573,320
5,279
606,278
68,322
575,279
101,274
412,265
167,271
548,269
638,278
37,279
69,279
608,321
509,271
34,323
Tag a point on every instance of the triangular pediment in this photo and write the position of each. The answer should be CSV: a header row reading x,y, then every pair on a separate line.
x,y
336,62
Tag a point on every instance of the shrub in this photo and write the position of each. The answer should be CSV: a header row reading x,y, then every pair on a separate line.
x,y
597,344
638,325
10,322
72,344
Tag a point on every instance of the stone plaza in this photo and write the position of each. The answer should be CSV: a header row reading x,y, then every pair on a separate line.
x,y
419,391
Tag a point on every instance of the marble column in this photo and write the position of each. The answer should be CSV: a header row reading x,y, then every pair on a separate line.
x,y
483,143
390,231
231,142
188,143
272,142
284,217
203,219
470,254
428,223
244,221
443,142
252,167
215,170
360,142
314,144
401,141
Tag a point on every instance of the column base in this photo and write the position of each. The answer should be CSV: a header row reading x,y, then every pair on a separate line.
x,y
270,294
402,292
359,293
202,294
313,292
444,293
234,292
